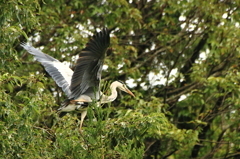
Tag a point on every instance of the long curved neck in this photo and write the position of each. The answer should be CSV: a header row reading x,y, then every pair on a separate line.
x,y
113,96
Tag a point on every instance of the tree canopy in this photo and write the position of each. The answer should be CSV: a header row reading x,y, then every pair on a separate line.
x,y
180,59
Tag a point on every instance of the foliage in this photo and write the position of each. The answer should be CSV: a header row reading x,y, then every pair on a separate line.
x,y
180,58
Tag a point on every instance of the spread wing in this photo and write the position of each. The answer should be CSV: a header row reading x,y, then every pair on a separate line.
x,y
87,73
61,73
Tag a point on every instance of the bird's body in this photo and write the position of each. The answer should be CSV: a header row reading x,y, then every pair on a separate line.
x,y
82,86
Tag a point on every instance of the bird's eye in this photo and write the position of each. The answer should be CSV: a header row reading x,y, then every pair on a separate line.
x,y
124,86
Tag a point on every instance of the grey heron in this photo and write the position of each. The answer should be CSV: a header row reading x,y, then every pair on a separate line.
x,y
82,86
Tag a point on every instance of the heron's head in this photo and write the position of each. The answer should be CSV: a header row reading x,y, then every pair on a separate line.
x,y
122,87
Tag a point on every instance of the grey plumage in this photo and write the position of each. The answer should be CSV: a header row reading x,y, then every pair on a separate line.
x,y
87,74
83,85
61,73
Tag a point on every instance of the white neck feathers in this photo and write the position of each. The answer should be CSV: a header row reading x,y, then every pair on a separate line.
x,y
114,94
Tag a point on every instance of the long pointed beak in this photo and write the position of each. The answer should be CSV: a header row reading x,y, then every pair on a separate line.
x,y
129,92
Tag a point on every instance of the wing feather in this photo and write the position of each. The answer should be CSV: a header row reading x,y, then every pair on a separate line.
x,y
60,73
87,74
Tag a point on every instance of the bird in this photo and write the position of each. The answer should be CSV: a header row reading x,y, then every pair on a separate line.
x,y
81,86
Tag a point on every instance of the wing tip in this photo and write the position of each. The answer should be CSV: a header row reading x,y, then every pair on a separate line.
x,y
105,32
23,44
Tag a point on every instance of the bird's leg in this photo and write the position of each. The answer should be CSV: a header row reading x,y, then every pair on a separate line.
x,y
83,115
